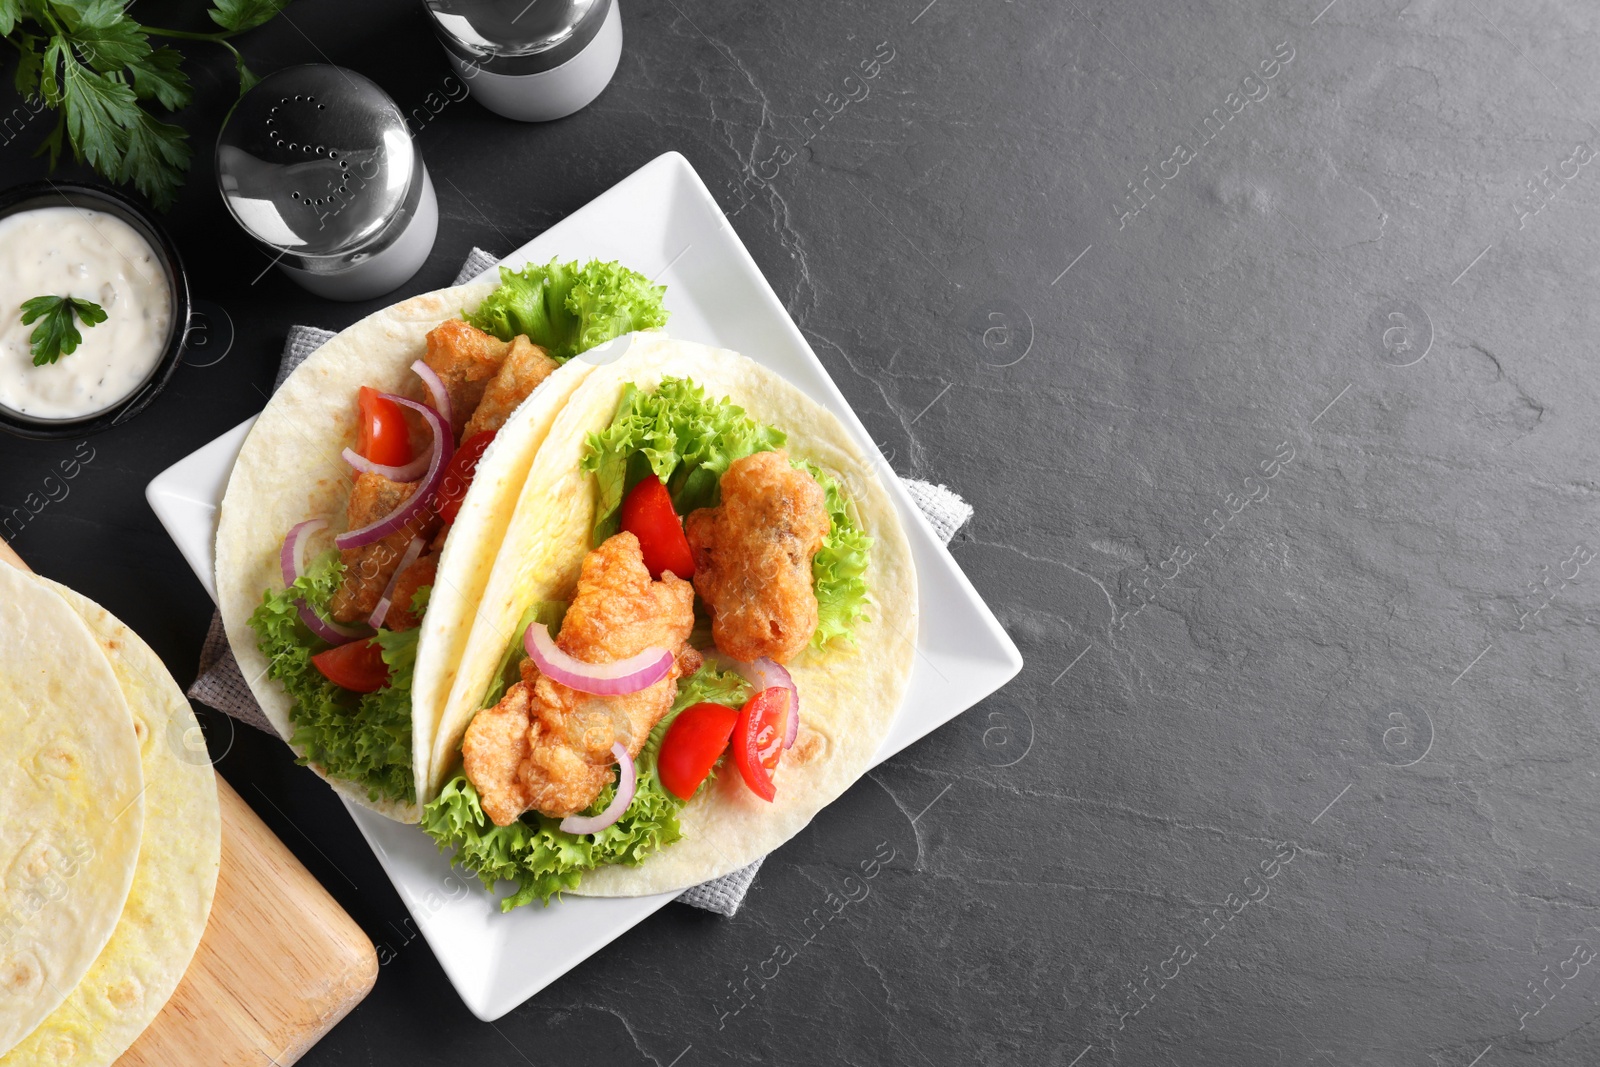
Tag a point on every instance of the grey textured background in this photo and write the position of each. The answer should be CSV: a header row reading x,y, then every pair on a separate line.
x,y
1377,662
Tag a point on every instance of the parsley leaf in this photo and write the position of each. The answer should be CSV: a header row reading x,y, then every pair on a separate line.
x,y
92,63
247,77
29,67
236,16
106,39
98,109
57,336
160,75
56,53
157,157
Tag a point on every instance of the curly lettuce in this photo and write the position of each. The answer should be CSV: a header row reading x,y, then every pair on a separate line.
x,y
568,309
684,437
534,854
839,567
361,738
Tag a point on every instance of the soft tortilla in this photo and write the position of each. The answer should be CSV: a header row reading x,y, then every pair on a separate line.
x,y
290,469
170,899
71,789
848,696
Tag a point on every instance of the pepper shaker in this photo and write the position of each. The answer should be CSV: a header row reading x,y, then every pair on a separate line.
x,y
317,165
533,62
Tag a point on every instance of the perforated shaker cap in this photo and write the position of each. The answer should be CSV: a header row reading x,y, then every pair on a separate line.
x,y
316,161
515,36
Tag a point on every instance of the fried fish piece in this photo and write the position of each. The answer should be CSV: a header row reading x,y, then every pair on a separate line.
x,y
367,570
422,572
525,366
752,557
546,747
465,359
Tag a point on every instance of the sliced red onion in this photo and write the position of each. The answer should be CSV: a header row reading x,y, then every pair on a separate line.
x,y
292,564
292,556
420,500
381,612
766,673
602,679
627,782
436,389
331,632
408,473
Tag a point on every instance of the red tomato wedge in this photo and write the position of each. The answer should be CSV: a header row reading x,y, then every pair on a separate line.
x,y
357,666
385,437
694,742
647,514
758,739
458,475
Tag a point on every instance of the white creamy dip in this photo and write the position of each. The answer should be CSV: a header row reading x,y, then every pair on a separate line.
x,y
90,255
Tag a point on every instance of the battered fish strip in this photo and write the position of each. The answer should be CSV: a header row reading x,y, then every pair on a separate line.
x,y
525,366
546,747
420,573
465,359
752,557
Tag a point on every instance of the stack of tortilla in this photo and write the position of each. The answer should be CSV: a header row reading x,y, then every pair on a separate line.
x,y
111,839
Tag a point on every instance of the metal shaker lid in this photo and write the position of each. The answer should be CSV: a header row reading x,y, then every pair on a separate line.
x,y
316,161
516,36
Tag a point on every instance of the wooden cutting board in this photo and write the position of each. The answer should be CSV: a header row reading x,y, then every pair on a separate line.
x,y
280,963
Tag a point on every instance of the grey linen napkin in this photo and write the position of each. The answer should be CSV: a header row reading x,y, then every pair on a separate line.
x,y
221,685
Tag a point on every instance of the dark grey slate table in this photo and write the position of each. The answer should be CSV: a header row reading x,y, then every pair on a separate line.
x,y
1261,339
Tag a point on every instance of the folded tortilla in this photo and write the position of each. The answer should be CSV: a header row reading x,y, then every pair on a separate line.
x,y
848,695
72,794
290,469
180,851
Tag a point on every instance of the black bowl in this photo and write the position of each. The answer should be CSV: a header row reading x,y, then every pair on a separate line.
x,y
99,198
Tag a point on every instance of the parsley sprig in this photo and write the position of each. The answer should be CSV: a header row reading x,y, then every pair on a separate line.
x,y
56,336
95,66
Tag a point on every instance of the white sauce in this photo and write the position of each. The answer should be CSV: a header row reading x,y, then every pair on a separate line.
x,y
68,251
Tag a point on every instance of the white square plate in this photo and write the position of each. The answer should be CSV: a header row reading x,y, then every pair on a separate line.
x,y
661,221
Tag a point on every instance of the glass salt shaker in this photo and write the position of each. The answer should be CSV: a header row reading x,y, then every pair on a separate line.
x,y
533,62
317,165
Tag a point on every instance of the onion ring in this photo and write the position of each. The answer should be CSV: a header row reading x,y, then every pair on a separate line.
x,y
292,564
766,673
601,679
627,782
381,612
436,389
292,556
332,632
408,473
420,500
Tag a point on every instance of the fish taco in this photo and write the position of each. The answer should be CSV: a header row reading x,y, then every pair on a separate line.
x,y
365,510
698,635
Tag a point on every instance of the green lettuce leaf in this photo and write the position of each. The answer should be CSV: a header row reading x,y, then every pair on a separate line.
x,y
364,739
534,854
567,309
509,672
684,437
838,568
